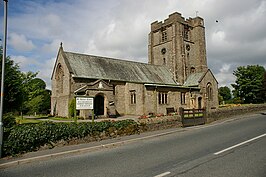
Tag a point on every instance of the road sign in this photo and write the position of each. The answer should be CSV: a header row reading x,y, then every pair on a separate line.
x,y
84,103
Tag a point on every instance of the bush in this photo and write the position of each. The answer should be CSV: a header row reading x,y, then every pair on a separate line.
x,y
29,137
9,120
71,108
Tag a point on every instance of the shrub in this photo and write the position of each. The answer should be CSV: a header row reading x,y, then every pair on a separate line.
x,y
71,107
9,120
29,137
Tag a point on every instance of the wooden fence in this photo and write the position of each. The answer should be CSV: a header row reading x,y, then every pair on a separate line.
x,y
192,117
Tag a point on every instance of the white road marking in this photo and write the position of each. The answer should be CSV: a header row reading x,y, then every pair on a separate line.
x,y
163,174
240,144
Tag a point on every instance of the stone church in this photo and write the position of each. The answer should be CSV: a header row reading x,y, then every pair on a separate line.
x,y
176,75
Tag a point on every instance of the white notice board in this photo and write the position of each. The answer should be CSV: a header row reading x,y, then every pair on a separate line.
x,y
84,103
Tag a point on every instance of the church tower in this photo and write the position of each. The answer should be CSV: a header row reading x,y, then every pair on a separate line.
x,y
179,44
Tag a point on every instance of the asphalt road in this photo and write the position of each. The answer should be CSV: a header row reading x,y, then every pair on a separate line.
x,y
233,148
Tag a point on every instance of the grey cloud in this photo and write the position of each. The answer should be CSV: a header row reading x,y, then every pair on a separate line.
x,y
119,28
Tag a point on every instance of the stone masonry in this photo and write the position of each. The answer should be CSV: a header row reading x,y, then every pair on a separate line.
x,y
176,76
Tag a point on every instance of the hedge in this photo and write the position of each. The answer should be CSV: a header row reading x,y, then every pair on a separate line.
x,y
30,137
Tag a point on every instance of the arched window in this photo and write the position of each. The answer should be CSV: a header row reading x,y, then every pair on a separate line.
x,y
209,91
59,78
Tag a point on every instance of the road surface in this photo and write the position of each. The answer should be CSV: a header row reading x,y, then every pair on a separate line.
x,y
232,149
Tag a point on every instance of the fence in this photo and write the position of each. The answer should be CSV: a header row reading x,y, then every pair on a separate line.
x,y
192,117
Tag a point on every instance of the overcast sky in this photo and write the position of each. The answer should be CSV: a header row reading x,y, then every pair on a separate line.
x,y
119,29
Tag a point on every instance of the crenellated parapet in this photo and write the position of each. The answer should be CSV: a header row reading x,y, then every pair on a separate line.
x,y
177,18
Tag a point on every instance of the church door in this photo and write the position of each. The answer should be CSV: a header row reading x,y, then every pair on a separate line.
x,y
99,105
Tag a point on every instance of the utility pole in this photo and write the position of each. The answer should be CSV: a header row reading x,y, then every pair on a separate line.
x,y
3,77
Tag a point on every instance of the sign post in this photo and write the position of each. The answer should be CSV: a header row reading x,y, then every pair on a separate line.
x,y
84,103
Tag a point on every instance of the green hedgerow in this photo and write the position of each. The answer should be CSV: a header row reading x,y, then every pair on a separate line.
x,y
29,137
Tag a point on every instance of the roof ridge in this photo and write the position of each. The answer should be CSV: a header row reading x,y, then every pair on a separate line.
x,y
116,59
98,67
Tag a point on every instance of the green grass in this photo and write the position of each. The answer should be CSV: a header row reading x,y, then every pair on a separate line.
x,y
41,117
19,120
61,118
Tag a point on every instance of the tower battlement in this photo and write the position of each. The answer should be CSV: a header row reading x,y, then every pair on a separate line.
x,y
177,17
171,19
179,44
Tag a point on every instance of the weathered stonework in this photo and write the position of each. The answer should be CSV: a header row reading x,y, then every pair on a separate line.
x,y
227,112
183,51
176,75
184,46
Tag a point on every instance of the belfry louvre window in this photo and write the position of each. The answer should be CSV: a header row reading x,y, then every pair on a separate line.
x,y
164,36
133,97
186,29
162,98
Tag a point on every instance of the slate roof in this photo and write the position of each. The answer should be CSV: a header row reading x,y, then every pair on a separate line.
x,y
96,67
194,79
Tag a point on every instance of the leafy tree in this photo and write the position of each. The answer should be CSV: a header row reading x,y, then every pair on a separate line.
x,y
225,92
27,77
13,87
23,91
220,98
46,106
37,97
249,83
35,104
264,87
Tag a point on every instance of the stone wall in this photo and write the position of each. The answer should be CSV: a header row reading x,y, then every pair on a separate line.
x,y
226,112
60,87
209,102
159,123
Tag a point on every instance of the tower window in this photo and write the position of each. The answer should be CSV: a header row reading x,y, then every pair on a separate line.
x,y
164,62
186,29
164,36
188,47
163,51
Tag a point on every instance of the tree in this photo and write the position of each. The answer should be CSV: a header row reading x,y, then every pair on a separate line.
x,y
264,87
23,91
225,92
27,77
46,105
12,85
220,99
37,97
249,83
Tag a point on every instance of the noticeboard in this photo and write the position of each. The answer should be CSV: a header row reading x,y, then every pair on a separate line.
x,y
84,103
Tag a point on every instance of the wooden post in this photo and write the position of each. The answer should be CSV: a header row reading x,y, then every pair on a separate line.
x,y
204,115
194,118
92,116
181,112
75,111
